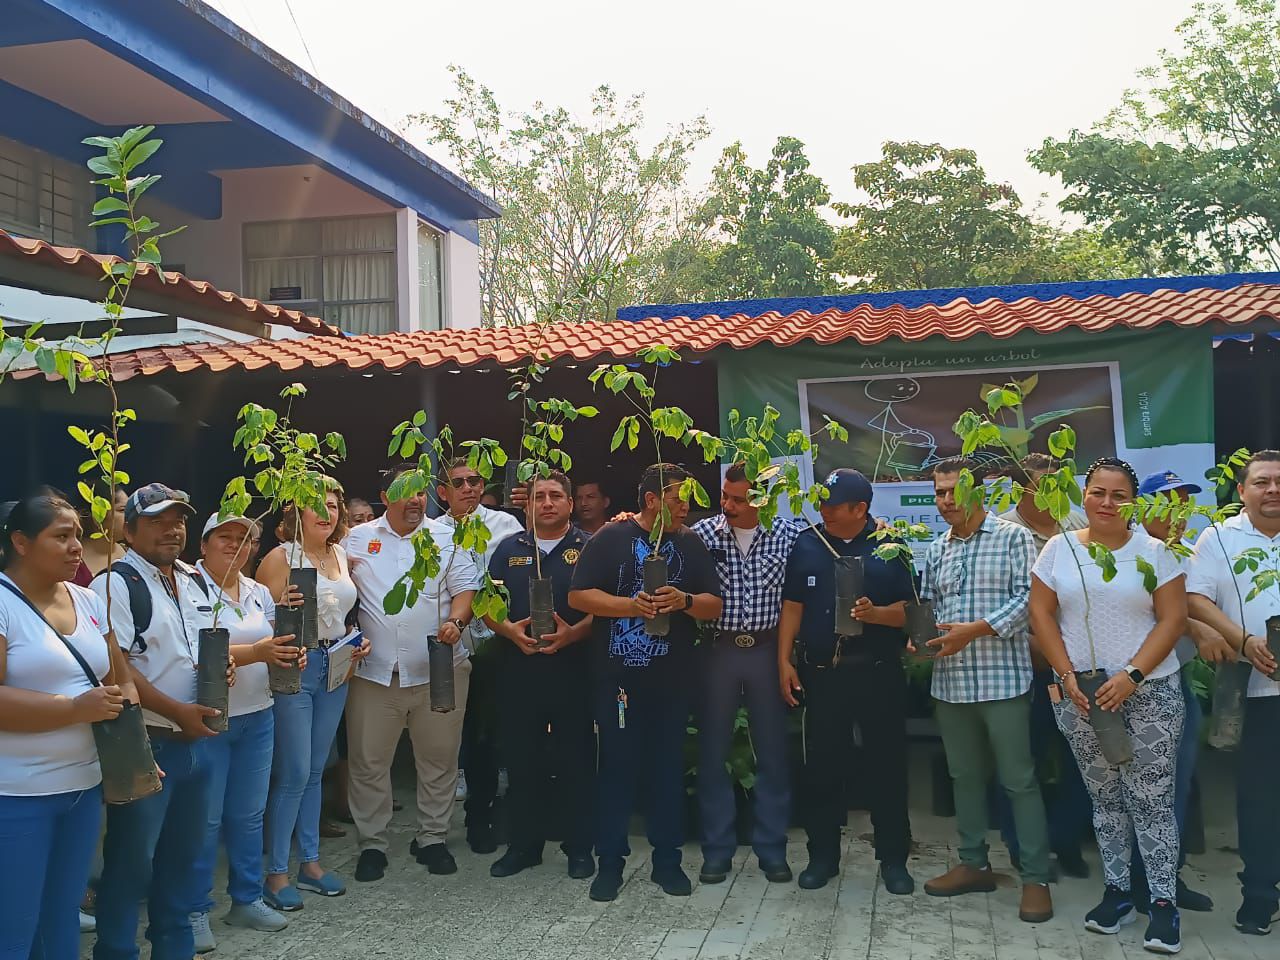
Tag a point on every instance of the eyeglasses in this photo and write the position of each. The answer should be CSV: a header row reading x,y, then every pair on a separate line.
x,y
472,481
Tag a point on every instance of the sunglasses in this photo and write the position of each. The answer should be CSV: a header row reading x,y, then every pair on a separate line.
x,y
472,481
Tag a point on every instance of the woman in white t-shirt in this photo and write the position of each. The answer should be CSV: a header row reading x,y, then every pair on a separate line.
x,y
50,783
1135,620
241,757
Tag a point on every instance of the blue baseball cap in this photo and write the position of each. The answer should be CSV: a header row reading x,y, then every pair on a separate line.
x,y
847,486
1163,482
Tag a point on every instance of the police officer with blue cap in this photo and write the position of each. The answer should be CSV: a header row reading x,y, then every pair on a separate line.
x,y
848,681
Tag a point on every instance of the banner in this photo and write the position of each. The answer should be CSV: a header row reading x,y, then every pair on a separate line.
x,y
1146,397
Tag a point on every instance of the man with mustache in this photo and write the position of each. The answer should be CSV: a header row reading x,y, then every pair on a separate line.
x,y
392,685
151,843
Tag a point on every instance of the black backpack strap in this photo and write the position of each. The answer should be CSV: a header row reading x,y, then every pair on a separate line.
x,y
139,601
84,664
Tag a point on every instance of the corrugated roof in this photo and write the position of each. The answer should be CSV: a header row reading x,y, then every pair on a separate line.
x,y
172,285
865,324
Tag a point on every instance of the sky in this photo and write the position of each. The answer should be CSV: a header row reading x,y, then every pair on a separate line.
x,y
996,76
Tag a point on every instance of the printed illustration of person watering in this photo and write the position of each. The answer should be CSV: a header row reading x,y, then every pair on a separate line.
x,y
903,448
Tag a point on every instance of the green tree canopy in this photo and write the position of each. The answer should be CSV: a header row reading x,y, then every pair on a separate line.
x,y
1188,167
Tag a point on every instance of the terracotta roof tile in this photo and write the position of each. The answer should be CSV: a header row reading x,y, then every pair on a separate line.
x,y
171,284
867,325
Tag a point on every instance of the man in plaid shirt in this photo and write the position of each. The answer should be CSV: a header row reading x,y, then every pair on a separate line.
x,y
742,667
978,574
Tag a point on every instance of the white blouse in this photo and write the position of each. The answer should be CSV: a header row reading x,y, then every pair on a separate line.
x,y
1121,613
62,760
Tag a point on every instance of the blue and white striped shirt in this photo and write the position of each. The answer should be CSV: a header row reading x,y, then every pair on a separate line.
x,y
751,583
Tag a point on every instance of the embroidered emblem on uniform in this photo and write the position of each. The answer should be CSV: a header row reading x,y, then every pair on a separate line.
x,y
571,557
519,561
375,547
830,479
811,582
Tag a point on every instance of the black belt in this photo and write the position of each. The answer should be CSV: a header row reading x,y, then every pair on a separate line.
x,y
165,733
859,656
745,639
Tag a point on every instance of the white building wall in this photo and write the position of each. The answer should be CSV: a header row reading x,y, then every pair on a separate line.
x,y
461,282
407,312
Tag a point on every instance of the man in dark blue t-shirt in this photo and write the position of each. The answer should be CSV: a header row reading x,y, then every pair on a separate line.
x,y
543,686
642,684
847,681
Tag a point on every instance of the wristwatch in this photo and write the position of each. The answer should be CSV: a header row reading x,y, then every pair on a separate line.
x,y
1136,675
688,601
457,622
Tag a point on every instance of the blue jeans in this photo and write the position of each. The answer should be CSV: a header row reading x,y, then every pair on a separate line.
x,y
150,847
306,723
46,845
240,765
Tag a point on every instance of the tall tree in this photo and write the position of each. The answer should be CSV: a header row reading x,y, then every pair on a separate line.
x,y
768,233
1188,167
587,210
931,218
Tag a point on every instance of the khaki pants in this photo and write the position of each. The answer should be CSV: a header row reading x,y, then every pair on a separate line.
x,y
376,715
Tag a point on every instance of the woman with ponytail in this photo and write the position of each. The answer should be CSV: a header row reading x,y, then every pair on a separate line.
x,y
53,636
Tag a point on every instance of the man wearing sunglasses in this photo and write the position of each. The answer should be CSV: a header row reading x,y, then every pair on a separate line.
x,y
460,490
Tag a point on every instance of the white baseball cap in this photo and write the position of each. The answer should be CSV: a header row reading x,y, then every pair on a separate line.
x,y
214,522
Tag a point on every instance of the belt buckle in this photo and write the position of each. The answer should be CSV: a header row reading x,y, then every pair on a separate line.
x,y
744,641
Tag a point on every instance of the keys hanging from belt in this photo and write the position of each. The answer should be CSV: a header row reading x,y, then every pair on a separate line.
x,y
836,653
622,709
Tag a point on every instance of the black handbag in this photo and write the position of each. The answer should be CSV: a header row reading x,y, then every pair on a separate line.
x,y
124,750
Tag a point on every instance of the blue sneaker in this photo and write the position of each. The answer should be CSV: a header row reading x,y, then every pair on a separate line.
x,y
1163,933
287,899
327,885
1115,910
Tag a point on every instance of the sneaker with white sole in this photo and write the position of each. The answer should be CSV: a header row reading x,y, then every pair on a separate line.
x,y
256,916
87,922
205,943
1163,932
1115,910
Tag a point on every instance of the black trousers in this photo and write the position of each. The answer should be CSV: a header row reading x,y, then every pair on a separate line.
x,y
1257,789
480,735
870,695
547,741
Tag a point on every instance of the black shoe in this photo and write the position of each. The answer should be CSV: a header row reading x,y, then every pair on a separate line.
x,y
480,838
817,873
1115,910
581,866
371,866
1072,864
1163,932
606,885
1255,917
513,861
673,881
715,871
776,871
435,857
1193,900
896,879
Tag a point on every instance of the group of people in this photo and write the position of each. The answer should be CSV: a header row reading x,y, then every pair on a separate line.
x,y
590,715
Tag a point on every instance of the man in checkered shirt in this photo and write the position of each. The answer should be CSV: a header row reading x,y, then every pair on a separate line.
x,y
742,667
978,574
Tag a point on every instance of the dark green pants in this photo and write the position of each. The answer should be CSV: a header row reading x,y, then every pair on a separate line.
x,y
994,737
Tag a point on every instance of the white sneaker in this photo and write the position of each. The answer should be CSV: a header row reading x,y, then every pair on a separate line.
x,y
201,933
461,792
87,923
256,916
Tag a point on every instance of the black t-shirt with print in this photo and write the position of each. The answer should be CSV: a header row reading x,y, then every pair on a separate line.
x,y
613,561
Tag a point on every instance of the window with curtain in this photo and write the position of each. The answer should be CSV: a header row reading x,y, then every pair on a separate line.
x,y
343,270
44,197
430,272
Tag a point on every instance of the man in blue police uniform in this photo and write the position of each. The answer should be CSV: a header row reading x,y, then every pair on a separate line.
x,y
542,685
742,668
848,681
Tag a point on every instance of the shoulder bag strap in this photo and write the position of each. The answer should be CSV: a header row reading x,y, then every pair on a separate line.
x,y
84,664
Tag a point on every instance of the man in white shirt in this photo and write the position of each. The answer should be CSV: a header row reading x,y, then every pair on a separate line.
x,y
1216,596
391,688
157,609
460,489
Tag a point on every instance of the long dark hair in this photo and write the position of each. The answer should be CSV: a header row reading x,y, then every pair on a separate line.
x,y
30,516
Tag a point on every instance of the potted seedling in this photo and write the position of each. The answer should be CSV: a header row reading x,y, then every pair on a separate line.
x,y
124,750
409,440
1055,492
1231,677
1264,566
922,623
670,423
292,471
771,458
